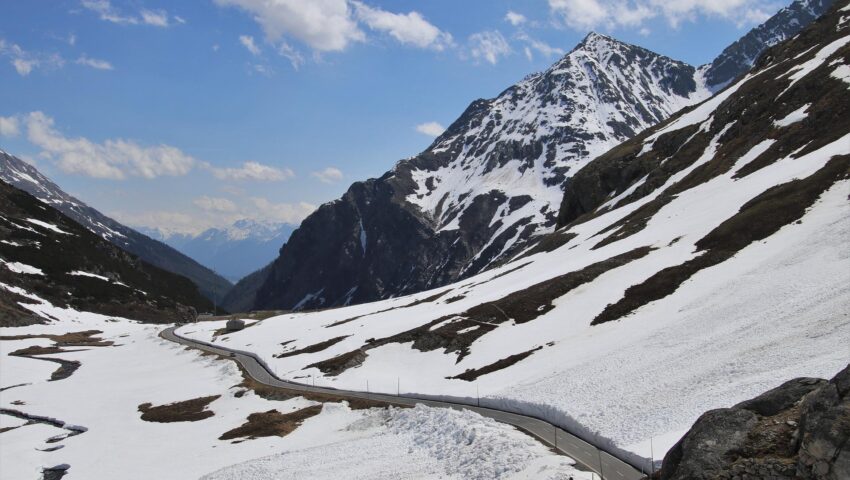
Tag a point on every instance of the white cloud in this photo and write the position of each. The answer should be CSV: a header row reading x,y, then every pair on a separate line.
x,y
247,41
542,48
589,14
215,204
158,18
25,62
432,129
328,175
324,25
113,159
107,12
292,213
9,127
515,19
290,53
94,63
408,29
216,213
488,46
253,171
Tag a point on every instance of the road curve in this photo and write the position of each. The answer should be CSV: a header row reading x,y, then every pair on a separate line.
x,y
587,456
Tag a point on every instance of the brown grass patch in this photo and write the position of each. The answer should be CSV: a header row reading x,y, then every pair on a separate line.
x,y
315,348
74,339
473,373
271,424
186,411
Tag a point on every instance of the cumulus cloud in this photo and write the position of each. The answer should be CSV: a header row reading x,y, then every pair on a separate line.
x,y
543,48
166,223
324,25
214,204
253,171
328,175
108,12
590,14
9,127
94,63
515,19
432,129
292,213
408,29
247,41
113,159
488,46
216,213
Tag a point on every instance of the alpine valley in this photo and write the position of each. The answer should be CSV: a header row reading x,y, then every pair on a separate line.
x,y
623,267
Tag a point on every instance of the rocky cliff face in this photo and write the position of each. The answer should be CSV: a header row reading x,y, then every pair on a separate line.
x,y
490,186
27,178
797,430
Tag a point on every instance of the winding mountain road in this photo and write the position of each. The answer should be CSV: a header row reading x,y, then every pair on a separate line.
x,y
587,456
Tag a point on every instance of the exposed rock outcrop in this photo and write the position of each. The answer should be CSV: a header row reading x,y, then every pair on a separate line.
x,y
799,430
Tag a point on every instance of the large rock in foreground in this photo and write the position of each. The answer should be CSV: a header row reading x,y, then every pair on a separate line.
x,y
797,430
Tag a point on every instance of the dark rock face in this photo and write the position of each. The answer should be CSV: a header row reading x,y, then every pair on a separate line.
x,y
47,254
24,176
797,430
739,57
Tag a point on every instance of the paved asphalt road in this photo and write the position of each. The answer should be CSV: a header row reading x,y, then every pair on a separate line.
x,y
586,455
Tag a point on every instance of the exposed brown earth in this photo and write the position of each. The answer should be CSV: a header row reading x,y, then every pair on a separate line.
x,y
271,424
473,373
318,347
186,411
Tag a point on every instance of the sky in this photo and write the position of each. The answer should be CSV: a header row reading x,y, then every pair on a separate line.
x,y
191,114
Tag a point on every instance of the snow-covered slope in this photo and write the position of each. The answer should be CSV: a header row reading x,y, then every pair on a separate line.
x,y
102,398
491,184
27,178
706,263
234,251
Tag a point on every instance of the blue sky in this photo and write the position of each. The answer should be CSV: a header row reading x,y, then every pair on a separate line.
x,y
189,114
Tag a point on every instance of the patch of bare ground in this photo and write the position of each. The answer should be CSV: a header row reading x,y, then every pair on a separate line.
x,y
186,411
318,347
86,338
271,424
473,373
340,363
39,350
550,243
759,218
431,299
454,299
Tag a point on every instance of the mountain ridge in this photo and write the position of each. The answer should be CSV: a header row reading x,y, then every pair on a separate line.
x,y
26,177
491,185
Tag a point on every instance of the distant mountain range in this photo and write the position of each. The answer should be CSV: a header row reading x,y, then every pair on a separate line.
x,y
490,186
24,176
233,252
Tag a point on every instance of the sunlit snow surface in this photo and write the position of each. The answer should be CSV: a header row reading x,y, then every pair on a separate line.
x,y
103,396
778,309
